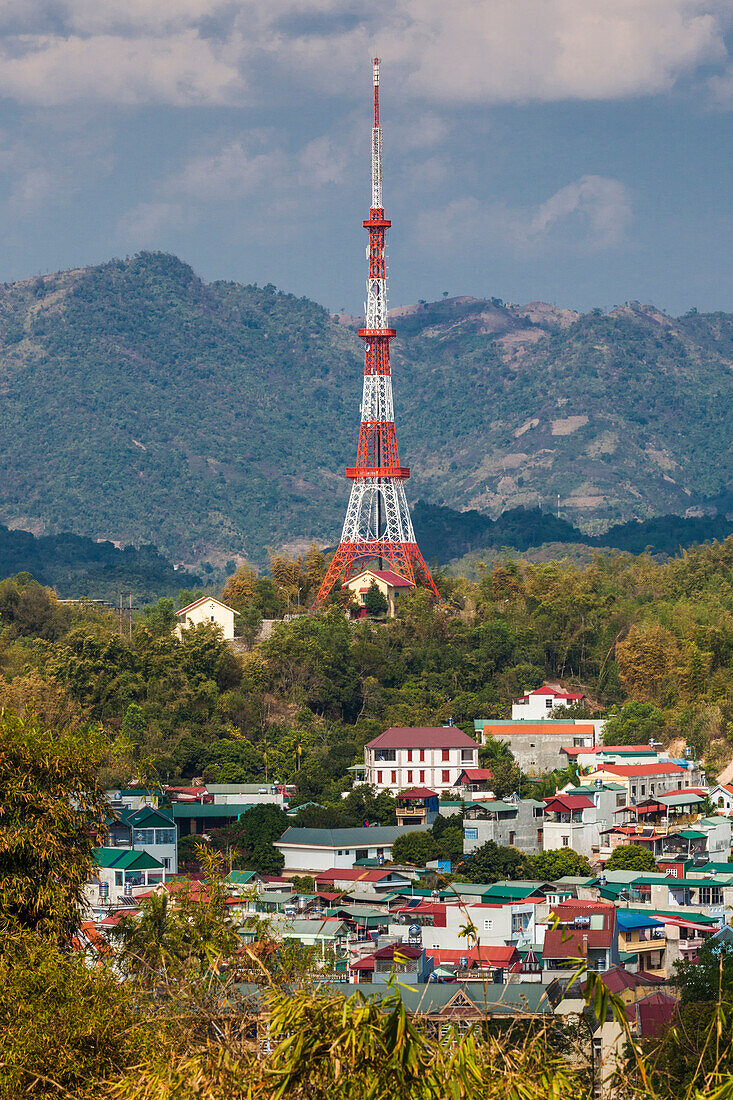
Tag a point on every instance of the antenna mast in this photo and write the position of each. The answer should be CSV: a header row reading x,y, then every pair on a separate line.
x,y
378,525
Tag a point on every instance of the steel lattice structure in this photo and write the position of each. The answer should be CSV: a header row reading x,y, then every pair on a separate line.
x,y
378,526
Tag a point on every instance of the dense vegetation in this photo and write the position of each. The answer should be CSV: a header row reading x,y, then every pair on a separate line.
x,y
76,567
212,418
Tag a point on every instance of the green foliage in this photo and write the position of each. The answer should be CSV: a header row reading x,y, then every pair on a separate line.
x,y
52,814
375,601
631,857
66,1026
709,978
493,863
556,863
634,724
248,841
182,935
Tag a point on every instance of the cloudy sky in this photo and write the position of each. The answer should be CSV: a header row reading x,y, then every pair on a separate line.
x,y
577,151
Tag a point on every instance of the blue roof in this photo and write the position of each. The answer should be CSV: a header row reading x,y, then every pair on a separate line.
x,y
627,921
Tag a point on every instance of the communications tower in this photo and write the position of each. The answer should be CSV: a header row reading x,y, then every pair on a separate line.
x,y
378,526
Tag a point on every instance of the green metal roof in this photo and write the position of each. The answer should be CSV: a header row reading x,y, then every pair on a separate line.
x,y
146,818
209,809
242,878
494,806
679,798
690,834
125,859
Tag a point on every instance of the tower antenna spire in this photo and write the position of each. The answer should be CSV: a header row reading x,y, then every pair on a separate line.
x,y
378,525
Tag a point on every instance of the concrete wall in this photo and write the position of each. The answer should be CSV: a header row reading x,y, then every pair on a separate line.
x,y
520,831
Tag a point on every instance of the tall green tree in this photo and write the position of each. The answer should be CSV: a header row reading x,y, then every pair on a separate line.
x,y
52,817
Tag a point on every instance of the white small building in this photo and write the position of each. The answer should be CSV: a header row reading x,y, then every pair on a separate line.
x,y
207,609
537,704
389,583
721,797
425,756
325,849
118,876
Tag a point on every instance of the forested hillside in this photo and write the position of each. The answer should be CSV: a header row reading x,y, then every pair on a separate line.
x,y
143,405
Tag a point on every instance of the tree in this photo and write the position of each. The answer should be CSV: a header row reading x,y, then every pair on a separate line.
x,y
375,601
709,977
416,849
492,862
53,817
161,617
631,857
634,724
186,933
645,658
506,777
557,862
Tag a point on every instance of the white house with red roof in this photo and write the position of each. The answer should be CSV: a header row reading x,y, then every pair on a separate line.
x,y
207,609
389,583
648,780
425,756
537,704
721,797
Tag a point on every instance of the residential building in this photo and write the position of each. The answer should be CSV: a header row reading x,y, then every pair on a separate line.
x,y
437,925
516,823
131,798
309,850
537,704
390,584
642,942
363,881
407,963
418,806
538,747
475,783
197,818
585,931
430,756
119,875
646,780
209,610
572,821
588,758
149,830
721,796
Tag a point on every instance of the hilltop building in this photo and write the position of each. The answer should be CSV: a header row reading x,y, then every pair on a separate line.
x,y
430,756
207,609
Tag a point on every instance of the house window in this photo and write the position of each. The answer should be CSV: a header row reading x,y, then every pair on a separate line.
x,y
362,853
409,777
422,756
512,836
166,863
565,841
539,835
488,925
118,878
643,788
409,756
422,777
394,777
548,703
165,836
143,836
470,834
446,755
379,777
711,895
467,756
446,777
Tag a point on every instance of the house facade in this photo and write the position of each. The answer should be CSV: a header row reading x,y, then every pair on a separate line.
x,y
119,875
536,705
389,583
209,610
314,850
647,780
432,756
538,746
516,823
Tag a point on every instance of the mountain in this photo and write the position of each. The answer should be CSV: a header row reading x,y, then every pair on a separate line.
x,y
76,566
445,534
143,405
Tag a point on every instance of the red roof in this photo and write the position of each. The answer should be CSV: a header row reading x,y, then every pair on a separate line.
x,y
422,737
493,956
477,775
575,750
545,690
386,575
632,770
366,962
539,729
353,874
617,979
565,942
569,802
418,792
393,949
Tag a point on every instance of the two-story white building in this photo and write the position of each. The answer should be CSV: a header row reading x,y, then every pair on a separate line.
x,y
207,609
425,756
536,705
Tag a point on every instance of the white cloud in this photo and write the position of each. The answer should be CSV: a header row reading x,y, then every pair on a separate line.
x,y
231,172
181,69
185,52
147,223
590,214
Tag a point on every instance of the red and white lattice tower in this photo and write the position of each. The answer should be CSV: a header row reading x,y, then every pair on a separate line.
x,y
378,527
